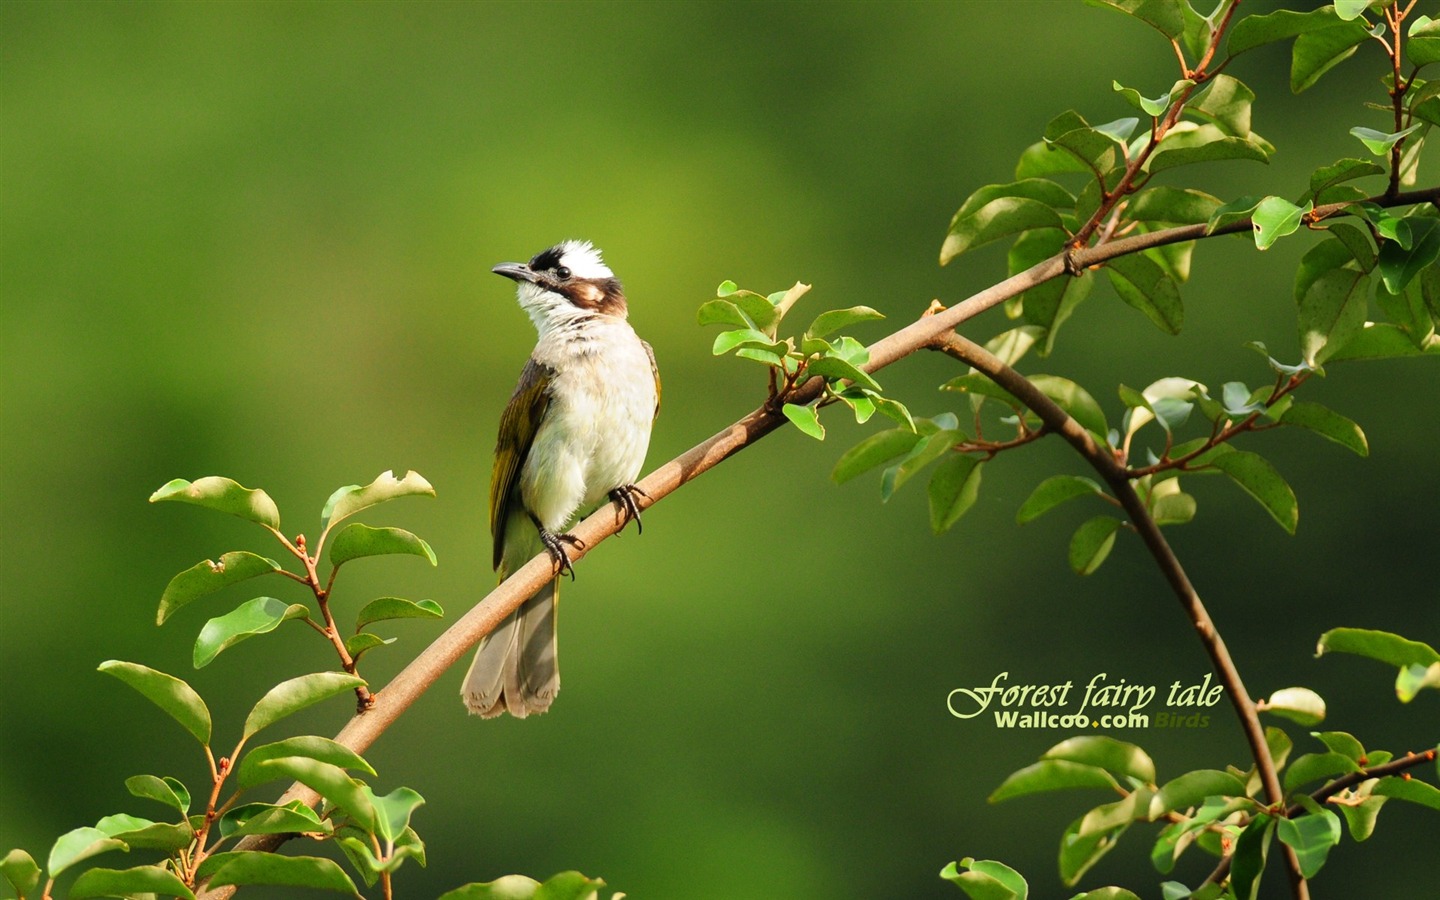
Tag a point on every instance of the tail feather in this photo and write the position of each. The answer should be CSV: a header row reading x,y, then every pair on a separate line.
x,y
515,668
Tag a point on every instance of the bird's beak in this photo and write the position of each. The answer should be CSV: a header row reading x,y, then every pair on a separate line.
x,y
517,272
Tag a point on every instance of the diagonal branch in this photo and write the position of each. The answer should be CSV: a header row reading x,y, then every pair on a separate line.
x,y
459,638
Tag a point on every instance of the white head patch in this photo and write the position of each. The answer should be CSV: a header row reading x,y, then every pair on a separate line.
x,y
583,260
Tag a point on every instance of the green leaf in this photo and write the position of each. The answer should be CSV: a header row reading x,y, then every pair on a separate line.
x,y
1119,757
999,218
143,834
128,883
347,501
1339,172
1091,543
1357,243
79,845
1078,853
835,368
722,312
1075,401
357,645
1248,861
836,319
1052,492
1332,303
1317,52
1261,480
986,879
1153,108
397,608
167,791
1381,341
806,418
19,868
1174,206
1312,835
1341,742
258,616
1276,217
953,488
1162,15
1423,48
1185,146
978,384
293,695
1044,158
876,449
726,288
1411,791
252,773
1143,284
207,577
224,495
1350,9
564,886
1192,788
1391,649
1360,814
1317,766
393,811
1399,265
760,312
357,540
1226,103
1413,679
1052,775
1050,311
1169,505
1256,31
1238,210
726,341
1328,424
1297,704
266,818
248,867
928,449
1380,142
328,781
172,695
894,409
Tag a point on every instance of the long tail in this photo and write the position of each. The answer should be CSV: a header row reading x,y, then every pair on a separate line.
x,y
515,669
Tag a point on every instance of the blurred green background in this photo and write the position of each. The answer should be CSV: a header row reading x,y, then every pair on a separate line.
x,y
255,240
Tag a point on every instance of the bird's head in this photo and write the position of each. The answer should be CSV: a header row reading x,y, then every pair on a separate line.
x,y
567,283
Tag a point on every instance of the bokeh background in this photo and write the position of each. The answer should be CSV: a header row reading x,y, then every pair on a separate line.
x,y
255,240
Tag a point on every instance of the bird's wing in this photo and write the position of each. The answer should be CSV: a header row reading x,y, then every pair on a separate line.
x,y
518,425
654,370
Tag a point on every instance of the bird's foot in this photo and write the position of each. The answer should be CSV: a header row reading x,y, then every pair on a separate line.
x,y
555,544
625,496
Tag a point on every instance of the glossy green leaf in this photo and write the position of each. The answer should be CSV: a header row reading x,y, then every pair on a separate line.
x,y
1079,853
1360,814
928,449
1074,400
1407,309
1382,646
875,450
1192,788
397,608
1153,108
721,312
393,811
835,368
1413,679
1108,893
1122,758
1174,206
997,219
1185,146
978,384
357,540
832,321
1328,424
208,576
1162,15
1317,52
1091,543
1297,704
1276,217
1311,836
726,341
806,418
172,695
726,288
1143,284
1052,775
248,867
1339,172
761,313
1357,243
167,791
1380,142
1410,790
77,846
1226,103
330,782
1341,742
1423,47
1256,31
896,410
293,695
953,489
1251,850
20,870
357,645
223,495
1053,491
986,879
128,883
564,886
143,834
266,818
1236,211
353,498
1382,340
1399,265
258,616
1260,480
1172,507
1350,9
1331,313
252,772
1043,158
1310,767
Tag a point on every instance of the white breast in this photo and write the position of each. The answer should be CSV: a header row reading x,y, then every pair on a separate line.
x,y
596,431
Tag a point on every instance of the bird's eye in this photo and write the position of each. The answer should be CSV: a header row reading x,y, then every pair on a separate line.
x,y
562,272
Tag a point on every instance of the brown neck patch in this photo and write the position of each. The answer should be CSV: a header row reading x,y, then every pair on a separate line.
x,y
601,295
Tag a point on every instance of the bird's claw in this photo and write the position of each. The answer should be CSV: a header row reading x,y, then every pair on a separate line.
x,y
625,496
555,544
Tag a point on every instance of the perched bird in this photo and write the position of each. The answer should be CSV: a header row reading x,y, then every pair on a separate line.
x,y
575,431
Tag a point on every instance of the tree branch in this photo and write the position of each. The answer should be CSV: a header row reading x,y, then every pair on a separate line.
x,y
459,638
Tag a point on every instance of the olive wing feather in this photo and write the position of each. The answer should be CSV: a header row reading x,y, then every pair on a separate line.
x,y
518,424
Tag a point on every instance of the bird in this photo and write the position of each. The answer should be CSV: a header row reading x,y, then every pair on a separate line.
x,y
576,431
